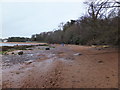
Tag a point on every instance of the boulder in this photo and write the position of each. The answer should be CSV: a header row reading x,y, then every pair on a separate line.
x,y
77,54
20,53
28,62
47,48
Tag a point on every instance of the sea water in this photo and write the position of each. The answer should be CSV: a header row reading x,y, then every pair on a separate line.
x,y
11,44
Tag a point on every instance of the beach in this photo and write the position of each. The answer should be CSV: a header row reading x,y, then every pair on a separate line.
x,y
69,66
18,43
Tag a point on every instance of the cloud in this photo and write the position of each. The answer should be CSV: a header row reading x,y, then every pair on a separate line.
x,y
25,19
42,0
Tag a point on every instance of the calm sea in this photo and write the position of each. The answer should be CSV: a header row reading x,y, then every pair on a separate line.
x,y
11,44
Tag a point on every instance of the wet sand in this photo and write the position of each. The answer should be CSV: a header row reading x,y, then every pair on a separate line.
x,y
61,67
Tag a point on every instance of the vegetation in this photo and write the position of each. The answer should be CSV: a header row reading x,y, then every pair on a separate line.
x,y
18,39
98,27
2,52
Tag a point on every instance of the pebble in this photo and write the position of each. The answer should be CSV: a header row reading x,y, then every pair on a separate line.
x,y
100,61
77,54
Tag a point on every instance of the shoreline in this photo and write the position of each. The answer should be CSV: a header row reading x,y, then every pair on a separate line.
x,y
33,43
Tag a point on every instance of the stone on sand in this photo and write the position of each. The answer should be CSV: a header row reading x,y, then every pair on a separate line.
x,y
77,54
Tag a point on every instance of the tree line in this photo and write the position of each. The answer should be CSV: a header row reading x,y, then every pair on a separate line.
x,y
99,26
18,39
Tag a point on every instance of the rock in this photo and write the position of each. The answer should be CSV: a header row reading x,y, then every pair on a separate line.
x,y
107,77
77,54
100,61
20,53
59,72
47,48
99,48
12,53
16,52
28,62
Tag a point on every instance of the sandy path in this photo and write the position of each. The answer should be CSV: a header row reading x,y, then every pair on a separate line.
x,y
92,69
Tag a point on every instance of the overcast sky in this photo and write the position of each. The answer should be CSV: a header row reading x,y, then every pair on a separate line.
x,y
23,19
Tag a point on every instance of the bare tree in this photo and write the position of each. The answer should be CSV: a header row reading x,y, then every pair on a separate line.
x,y
101,8
61,26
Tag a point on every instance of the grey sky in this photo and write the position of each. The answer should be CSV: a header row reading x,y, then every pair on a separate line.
x,y
27,18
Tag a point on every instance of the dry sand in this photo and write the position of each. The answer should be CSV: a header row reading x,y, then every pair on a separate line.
x,y
60,68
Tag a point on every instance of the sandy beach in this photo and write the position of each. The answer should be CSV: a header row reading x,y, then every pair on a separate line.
x,y
70,66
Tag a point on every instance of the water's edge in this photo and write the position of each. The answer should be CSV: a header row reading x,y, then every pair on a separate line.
x,y
11,44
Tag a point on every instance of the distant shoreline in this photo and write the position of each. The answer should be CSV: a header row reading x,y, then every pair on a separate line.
x,y
32,43
19,43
